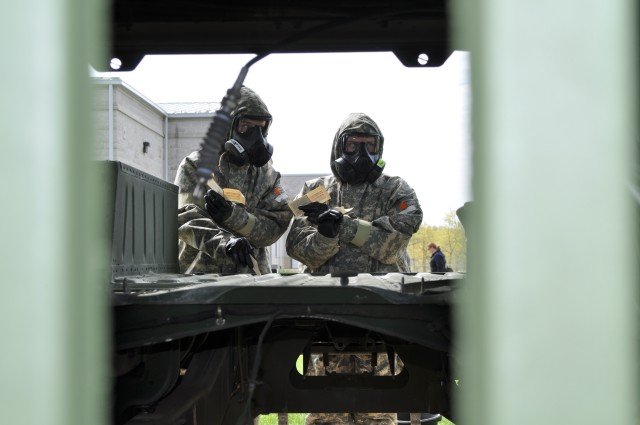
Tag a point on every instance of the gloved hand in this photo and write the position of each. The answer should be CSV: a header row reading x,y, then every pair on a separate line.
x,y
218,208
239,249
329,223
313,211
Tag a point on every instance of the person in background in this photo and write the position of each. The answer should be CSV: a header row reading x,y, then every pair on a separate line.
x,y
365,228
438,261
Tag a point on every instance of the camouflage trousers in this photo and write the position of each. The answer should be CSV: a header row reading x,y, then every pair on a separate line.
x,y
351,419
352,363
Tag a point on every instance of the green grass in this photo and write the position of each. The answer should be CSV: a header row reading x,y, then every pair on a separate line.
x,y
272,419
298,419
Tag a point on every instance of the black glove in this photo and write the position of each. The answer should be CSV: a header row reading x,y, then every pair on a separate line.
x,y
313,211
329,223
239,249
218,208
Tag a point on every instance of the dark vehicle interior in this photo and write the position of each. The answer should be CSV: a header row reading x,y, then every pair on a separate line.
x,y
191,349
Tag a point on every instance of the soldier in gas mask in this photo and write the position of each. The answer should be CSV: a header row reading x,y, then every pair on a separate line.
x,y
381,215
220,236
384,211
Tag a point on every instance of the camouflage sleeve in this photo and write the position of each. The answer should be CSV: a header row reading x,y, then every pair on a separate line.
x,y
186,180
196,229
264,225
201,233
387,235
306,245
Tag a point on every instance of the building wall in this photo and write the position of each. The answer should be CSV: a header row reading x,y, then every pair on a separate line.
x,y
101,121
292,185
185,136
135,122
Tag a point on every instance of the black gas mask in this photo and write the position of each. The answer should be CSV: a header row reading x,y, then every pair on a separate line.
x,y
360,161
249,145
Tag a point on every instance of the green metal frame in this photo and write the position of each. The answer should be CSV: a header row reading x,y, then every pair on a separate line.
x,y
549,320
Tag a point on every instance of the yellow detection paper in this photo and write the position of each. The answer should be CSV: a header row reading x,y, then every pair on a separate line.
x,y
255,266
319,194
234,195
214,186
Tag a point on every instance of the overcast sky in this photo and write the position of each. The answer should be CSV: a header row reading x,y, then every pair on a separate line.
x,y
424,113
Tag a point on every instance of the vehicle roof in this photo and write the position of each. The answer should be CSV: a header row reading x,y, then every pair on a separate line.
x,y
407,28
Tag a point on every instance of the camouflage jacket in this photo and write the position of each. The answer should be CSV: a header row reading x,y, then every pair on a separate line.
x,y
374,235
262,221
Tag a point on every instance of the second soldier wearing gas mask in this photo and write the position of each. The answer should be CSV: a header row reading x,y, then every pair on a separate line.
x,y
384,211
368,234
217,235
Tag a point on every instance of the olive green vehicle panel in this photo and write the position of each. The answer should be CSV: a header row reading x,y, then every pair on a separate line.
x,y
407,28
154,308
143,224
265,323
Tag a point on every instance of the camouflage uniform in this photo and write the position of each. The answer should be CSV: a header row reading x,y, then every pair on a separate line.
x,y
373,237
351,363
262,220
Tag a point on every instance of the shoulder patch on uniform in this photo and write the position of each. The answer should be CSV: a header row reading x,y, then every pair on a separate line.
x,y
281,196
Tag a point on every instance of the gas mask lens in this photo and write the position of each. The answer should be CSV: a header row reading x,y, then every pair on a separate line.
x,y
246,124
353,142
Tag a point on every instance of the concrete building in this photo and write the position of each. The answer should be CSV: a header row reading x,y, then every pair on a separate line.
x,y
292,184
131,128
188,123
156,137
